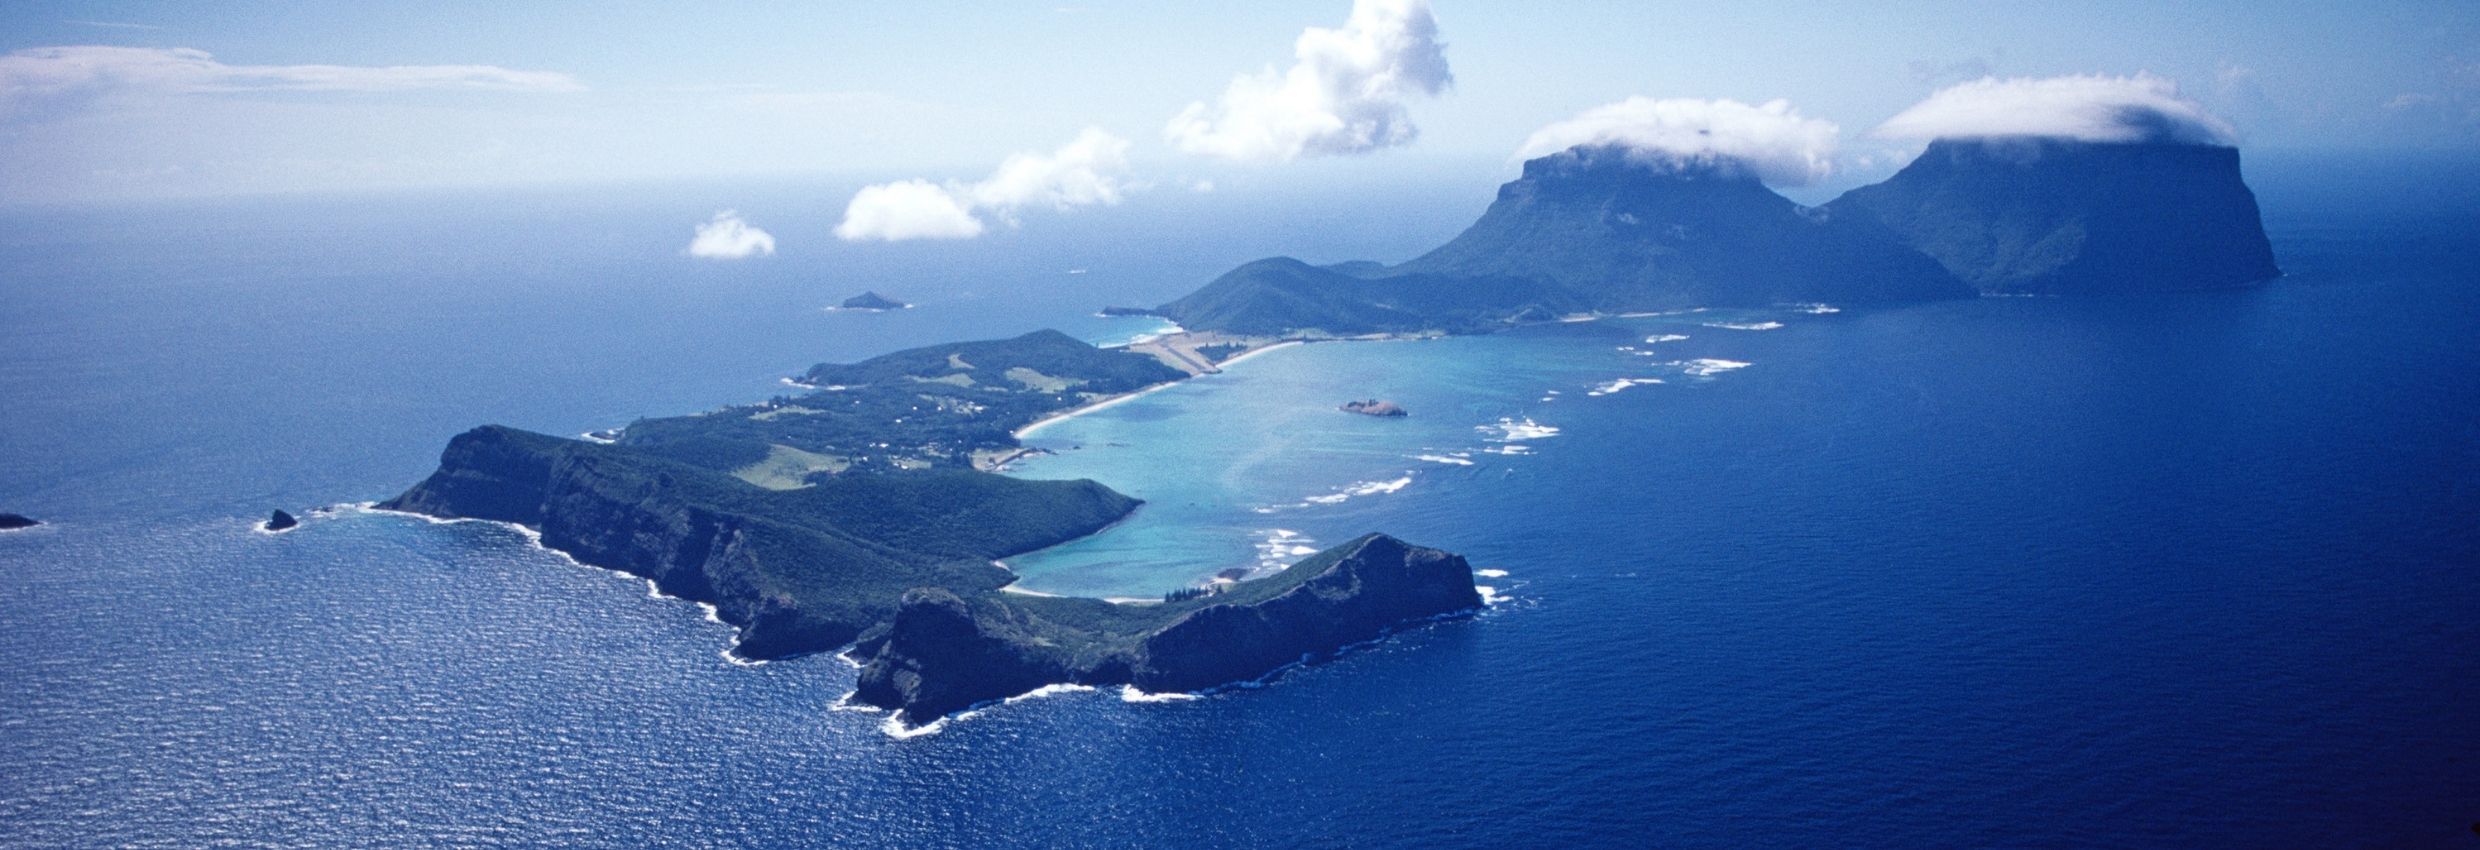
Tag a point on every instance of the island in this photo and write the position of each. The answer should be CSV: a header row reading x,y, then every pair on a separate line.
x,y
279,521
1599,230
872,302
860,516
862,513
13,522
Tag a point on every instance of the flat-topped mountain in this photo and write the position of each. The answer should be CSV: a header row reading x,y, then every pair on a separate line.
x,y
1627,233
2027,215
1602,229
1588,229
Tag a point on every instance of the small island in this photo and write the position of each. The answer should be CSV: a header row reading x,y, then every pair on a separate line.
x,y
1374,407
13,522
279,521
872,302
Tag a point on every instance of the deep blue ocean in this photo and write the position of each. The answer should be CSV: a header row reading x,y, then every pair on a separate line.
x,y
2198,570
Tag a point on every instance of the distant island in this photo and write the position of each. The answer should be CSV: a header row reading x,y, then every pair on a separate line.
x,y
873,302
863,513
1374,407
279,521
13,522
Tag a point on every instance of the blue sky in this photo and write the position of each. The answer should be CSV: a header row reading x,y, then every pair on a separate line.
x,y
360,96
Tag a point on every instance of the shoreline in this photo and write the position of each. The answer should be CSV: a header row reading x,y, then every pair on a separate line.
x,y
1081,410
1108,401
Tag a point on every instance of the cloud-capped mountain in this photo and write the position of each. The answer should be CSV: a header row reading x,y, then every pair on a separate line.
x,y
2055,216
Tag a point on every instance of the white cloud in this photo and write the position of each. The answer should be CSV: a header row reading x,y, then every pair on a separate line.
x,y
727,237
1083,172
908,209
1772,141
1344,95
40,78
2092,108
1087,171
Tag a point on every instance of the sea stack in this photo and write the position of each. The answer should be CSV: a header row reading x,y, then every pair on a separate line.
x,y
278,521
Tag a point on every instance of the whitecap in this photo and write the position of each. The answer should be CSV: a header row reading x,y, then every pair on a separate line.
x,y
1621,384
1363,488
1745,326
1707,367
1658,339
1517,430
1491,573
1279,546
1050,690
895,728
1129,693
1455,459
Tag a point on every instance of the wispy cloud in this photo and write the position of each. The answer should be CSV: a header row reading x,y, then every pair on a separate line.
x,y
1090,170
1344,93
1772,141
2090,108
727,237
44,79
113,25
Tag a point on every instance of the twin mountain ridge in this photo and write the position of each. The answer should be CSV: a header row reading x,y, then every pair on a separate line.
x,y
857,516
1603,229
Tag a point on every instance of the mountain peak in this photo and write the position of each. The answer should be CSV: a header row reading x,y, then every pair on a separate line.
x,y
2048,215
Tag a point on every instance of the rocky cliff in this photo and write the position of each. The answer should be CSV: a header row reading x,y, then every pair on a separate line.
x,y
2063,217
1589,229
1624,233
799,571
943,653
900,566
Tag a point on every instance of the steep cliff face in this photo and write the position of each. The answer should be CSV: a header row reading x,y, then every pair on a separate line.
x,y
1374,584
1589,229
944,653
2063,217
1627,234
799,571
899,567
